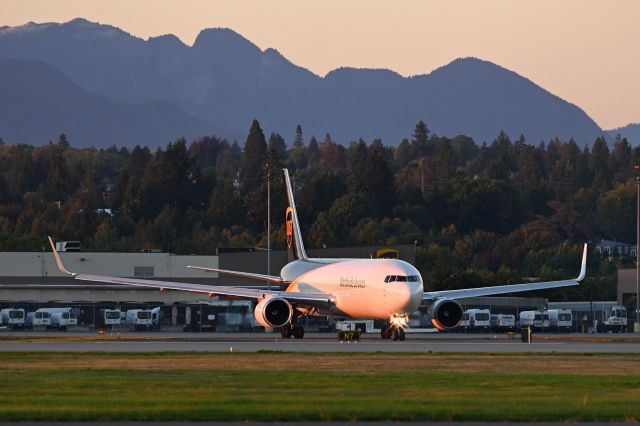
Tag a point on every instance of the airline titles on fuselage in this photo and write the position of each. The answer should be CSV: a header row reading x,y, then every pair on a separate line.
x,y
352,282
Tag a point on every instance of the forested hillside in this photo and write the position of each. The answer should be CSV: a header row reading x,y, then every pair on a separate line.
x,y
478,214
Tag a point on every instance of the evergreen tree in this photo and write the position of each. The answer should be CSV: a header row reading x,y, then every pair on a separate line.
x,y
277,148
445,160
298,142
420,140
313,151
402,155
255,155
598,164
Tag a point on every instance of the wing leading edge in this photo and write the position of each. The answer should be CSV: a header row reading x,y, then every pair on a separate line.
x,y
320,300
511,288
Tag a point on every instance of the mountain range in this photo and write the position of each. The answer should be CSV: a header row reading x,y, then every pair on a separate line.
x,y
101,85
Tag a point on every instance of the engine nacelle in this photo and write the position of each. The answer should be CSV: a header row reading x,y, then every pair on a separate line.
x,y
445,314
273,312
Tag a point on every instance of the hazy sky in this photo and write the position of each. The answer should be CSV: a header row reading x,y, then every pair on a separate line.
x,y
585,51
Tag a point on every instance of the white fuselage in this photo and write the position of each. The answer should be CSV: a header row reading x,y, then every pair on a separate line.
x,y
358,285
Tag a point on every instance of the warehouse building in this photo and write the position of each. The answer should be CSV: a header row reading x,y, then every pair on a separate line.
x,y
31,280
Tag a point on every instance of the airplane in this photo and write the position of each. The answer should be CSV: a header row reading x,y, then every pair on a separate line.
x,y
387,289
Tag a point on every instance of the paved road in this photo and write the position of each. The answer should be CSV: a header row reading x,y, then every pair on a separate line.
x,y
223,342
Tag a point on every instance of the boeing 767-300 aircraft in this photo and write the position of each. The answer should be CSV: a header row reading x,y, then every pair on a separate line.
x,y
387,289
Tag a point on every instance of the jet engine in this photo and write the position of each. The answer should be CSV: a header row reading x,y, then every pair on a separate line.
x,y
445,314
273,312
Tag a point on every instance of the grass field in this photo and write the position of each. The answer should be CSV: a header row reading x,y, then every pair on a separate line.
x,y
284,386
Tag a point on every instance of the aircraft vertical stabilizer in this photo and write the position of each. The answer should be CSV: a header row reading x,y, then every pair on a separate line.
x,y
295,246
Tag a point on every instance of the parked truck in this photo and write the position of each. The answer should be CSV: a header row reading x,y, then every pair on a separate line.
x,y
503,322
479,319
560,320
537,320
139,319
38,318
109,318
605,316
13,318
61,318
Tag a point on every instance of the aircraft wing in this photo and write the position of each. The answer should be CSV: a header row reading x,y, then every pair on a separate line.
x,y
262,277
511,288
320,300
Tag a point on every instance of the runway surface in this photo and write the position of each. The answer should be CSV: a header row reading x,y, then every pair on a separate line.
x,y
253,342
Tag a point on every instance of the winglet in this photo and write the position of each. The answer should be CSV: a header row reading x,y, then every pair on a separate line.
x,y
58,261
583,267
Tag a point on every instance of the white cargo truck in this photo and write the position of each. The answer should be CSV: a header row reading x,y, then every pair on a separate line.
x,y
61,318
139,319
537,320
109,318
503,322
607,316
560,320
38,318
479,319
615,319
13,318
156,317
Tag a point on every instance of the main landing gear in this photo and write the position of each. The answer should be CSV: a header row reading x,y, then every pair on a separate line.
x,y
392,332
290,330
293,329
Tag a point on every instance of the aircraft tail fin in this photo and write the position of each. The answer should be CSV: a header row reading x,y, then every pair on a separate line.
x,y
295,246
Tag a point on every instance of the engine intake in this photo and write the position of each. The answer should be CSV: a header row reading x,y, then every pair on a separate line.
x,y
273,312
445,314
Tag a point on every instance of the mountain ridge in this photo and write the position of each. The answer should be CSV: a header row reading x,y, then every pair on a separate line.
x,y
226,81
40,93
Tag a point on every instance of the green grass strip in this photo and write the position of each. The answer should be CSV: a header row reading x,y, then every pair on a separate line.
x,y
171,394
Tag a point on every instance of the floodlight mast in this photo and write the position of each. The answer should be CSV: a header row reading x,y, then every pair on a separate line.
x,y
636,324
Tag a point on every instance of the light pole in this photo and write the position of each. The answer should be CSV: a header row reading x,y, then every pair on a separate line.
x,y
636,325
268,224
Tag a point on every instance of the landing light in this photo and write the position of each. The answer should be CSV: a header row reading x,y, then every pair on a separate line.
x,y
399,321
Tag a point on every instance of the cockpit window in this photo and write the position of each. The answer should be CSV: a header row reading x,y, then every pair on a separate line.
x,y
401,278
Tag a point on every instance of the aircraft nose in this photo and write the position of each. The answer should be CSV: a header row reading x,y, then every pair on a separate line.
x,y
415,295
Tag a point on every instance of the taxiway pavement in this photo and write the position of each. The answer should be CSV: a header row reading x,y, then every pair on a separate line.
x,y
253,342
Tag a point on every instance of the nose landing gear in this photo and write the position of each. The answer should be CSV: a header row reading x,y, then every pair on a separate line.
x,y
392,332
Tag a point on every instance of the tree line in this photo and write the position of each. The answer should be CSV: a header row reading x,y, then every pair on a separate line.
x,y
478,213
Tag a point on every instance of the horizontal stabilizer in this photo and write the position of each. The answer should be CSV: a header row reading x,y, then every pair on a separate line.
x,y
262,277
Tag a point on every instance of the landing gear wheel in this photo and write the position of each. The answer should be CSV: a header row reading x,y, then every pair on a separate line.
x,y
286,331
401,335
298,331
385,333
395,335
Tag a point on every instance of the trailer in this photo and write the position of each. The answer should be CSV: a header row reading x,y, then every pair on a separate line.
x,y
201,317
363,326
38,318
139,319
13,318
560,320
